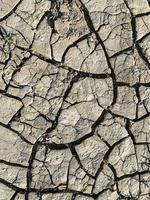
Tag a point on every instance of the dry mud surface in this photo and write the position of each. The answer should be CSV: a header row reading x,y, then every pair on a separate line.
x,y
74,99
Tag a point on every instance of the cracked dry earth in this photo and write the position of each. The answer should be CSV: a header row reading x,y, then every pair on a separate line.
x,y
74,99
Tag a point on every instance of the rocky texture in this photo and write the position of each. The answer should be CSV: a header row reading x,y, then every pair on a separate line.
x,y
74,99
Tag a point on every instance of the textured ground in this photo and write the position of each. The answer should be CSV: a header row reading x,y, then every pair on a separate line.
x,y
74,99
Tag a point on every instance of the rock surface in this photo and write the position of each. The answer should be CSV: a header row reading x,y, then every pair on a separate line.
x,y
74,99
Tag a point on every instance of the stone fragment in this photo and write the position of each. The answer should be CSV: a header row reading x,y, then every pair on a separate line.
x,y
78,179
82,197
129,186
6,192
138,7
20,150
6,7
141,130
126,102
9,108
108,195
123,158
112,129
87,56
105,180
91,153
69,27
14,175
130,68
54,172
